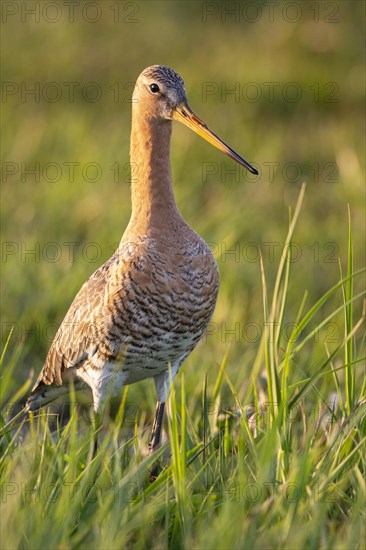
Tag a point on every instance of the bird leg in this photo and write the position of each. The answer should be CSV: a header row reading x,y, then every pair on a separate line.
x,y
155,438
156,429
163,382
96,424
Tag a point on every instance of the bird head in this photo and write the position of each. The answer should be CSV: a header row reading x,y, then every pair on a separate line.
x,y
161,93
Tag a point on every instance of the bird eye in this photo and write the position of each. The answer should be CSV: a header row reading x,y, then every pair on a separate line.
x,y
154,88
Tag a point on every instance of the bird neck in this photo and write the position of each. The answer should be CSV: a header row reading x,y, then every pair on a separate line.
x,y
153,202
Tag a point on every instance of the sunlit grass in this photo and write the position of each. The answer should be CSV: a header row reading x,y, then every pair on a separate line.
x,y
237,477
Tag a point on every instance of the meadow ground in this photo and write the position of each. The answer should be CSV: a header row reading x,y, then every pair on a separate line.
x,y
265,429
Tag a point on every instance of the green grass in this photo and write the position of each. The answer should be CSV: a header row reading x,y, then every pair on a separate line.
x,y
265,429
228,479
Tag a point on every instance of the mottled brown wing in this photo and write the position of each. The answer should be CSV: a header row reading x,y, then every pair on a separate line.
x,y
78,335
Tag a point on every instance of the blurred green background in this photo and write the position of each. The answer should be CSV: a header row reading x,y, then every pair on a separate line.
x,y
297,113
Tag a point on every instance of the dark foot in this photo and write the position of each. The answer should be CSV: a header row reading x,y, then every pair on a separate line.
x,y
155,472
95,449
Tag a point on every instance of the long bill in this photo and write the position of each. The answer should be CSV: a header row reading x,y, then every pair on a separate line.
x,y
185,115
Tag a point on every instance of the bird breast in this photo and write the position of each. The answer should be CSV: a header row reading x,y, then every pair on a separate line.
x,y
163,300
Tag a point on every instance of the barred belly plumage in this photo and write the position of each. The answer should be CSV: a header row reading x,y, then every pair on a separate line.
x,y
157,315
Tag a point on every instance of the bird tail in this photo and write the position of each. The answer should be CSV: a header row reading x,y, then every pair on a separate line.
x,y
43,395
17,421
